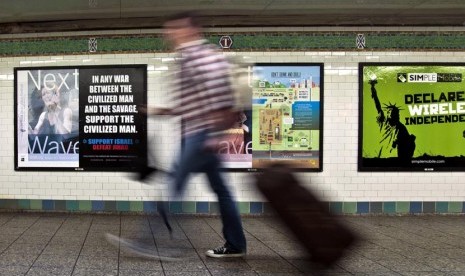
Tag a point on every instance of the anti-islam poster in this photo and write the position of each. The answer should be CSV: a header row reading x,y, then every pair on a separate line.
x,y
412,117
80,118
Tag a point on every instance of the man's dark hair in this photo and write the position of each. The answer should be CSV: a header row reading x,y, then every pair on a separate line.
x,y
191,15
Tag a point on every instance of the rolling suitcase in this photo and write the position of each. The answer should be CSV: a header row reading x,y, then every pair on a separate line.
x,y
323,235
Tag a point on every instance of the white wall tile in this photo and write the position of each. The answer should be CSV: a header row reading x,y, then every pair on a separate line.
x,y
340,179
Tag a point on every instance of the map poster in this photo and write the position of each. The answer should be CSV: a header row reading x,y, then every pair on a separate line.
x,y
412,117
80,118
287,115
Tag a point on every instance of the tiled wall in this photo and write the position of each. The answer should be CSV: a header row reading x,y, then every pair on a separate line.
x,y
211,207
345,189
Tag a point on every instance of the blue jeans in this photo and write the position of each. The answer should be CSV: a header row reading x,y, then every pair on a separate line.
x,y
194,158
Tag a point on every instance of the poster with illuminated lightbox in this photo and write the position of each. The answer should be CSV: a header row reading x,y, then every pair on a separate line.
x,y
287,115
412,117
80,118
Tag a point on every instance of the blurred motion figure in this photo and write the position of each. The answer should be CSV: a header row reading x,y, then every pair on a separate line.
x,y
203,97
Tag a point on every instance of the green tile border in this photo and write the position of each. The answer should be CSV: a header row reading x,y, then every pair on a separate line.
x,y
189,207
336,207
349,207
389,207
122,206
442,207
244,207
136,206
253,41
175,206
24,204
72,205
402,207
214,208
455,207
35,204
85,205
252,208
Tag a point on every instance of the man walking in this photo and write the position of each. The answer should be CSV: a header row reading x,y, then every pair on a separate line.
x,y
203,93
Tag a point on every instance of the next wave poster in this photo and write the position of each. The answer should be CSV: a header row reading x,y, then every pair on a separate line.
x,y
80,118
412,117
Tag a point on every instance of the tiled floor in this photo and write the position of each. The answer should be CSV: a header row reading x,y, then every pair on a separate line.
x,y
70,244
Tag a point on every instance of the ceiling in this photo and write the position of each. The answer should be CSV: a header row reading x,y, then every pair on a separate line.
x,y
28,16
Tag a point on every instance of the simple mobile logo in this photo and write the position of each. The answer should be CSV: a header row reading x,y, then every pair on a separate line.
x,y
429,77
422,77
401,77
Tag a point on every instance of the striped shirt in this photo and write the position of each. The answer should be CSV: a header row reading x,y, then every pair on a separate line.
x,y
202,86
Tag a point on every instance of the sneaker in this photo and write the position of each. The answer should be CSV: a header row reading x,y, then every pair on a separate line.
x,y
224,252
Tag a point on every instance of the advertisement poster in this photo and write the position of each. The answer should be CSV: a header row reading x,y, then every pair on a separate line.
x,y
287,116
80,118
412,117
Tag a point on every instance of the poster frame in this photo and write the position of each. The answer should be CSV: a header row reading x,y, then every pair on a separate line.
x,y
142,153
321,117
360,166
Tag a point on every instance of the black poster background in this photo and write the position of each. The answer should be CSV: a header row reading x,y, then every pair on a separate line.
x,y
112,131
